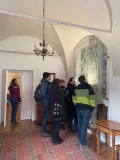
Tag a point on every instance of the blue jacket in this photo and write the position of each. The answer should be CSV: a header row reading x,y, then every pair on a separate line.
x,y
44,87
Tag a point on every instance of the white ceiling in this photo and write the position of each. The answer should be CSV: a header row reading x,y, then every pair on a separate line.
x,y
98,17
80,12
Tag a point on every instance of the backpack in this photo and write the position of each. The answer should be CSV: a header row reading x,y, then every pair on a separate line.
x,y
37,94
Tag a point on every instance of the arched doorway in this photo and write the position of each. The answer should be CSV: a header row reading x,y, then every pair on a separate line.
x,y
92,61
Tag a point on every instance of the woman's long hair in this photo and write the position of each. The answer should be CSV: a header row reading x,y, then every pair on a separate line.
x,y
70,80
56,82
12,83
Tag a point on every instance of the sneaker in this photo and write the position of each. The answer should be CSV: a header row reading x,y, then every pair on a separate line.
x,y
60,139
83,146
13,124
45,135
16,123
58,142
48,131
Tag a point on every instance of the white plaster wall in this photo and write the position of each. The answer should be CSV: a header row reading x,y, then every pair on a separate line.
x,y
17,61
114,99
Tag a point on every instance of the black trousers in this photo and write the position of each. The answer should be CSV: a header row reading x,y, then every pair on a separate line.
x,y
56,125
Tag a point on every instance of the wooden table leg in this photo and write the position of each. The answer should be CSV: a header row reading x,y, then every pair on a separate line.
x,y
117,153
106,139
98,142
94,140
113,147
108,142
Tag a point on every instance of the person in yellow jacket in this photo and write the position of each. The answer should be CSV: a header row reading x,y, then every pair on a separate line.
x,y
84,99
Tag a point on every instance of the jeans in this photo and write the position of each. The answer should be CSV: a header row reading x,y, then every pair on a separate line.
x,y
14,103
70,120
83,117
56,125
45,110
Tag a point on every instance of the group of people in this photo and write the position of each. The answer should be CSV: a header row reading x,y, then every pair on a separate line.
x,y
66,103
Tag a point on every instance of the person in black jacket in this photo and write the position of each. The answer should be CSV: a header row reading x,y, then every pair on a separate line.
x,y
57,106
84,99
64,89
71,108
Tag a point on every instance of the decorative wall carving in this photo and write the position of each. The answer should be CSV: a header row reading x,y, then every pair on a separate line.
x,y
104,75
94,65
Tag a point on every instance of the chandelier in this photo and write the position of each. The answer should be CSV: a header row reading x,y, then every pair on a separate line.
x,y
43,51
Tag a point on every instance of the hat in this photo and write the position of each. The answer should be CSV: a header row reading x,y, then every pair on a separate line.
x,y
46,75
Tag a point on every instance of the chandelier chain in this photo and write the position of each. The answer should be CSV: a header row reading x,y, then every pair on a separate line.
x,y
43,51
43,21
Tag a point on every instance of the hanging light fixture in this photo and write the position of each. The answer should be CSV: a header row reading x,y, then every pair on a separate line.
x,y
43,51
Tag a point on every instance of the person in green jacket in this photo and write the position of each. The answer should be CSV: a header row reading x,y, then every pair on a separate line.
x,y
84,99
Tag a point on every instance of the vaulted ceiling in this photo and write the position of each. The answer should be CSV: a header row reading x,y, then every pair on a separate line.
x,y
81,18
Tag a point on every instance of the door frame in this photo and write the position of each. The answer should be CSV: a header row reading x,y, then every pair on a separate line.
x,y
4,103
5,93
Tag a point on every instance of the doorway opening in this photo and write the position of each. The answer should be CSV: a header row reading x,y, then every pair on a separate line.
x,y
25,82
18,77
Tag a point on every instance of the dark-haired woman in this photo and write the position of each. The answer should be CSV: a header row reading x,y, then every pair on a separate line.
x,y
71,108
57,109
14,91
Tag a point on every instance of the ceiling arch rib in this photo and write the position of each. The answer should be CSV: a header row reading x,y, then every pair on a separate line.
x,y
54,21
110,13
80,13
